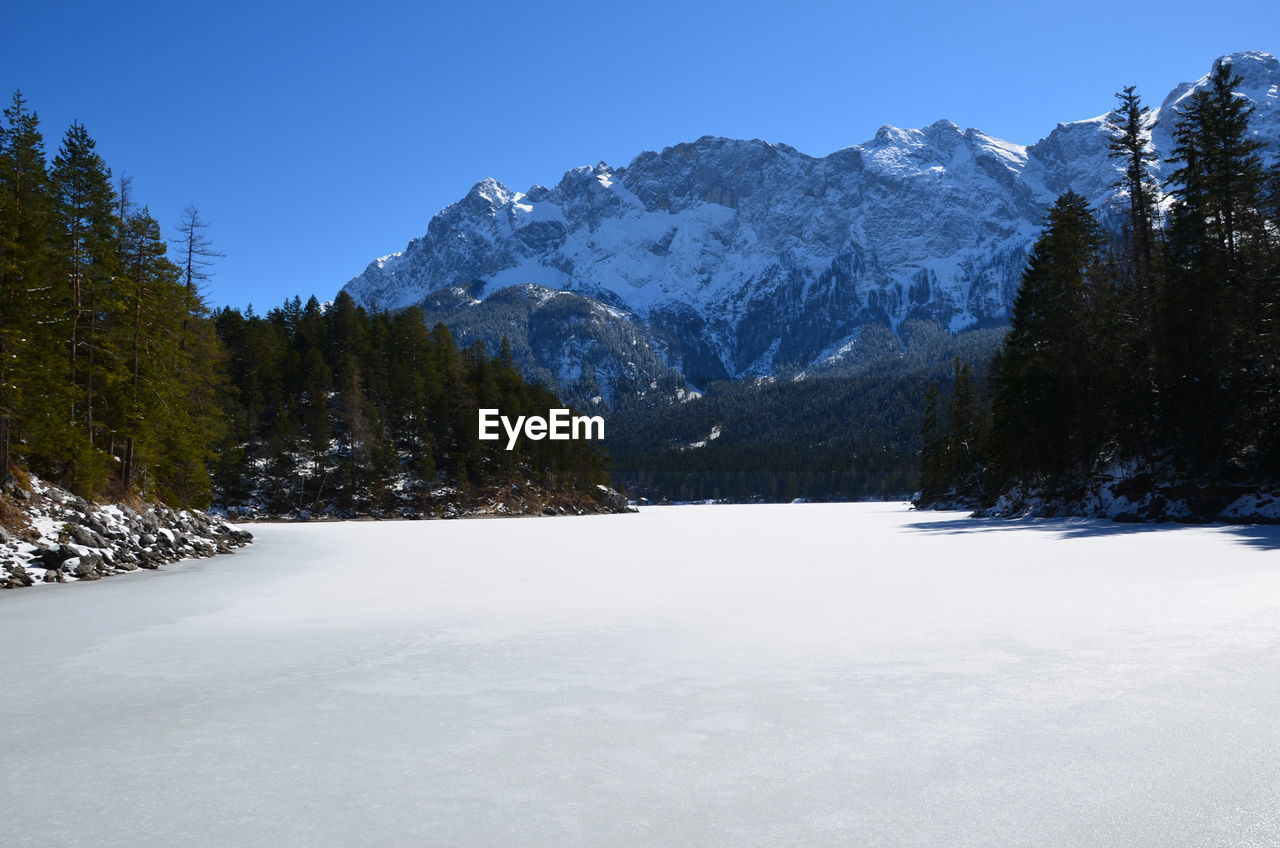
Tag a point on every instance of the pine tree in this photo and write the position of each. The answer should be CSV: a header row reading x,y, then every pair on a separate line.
x,y
88,243
195,250
962,422
1214,343
1041,376
1131,145
193,392
146,272
32,378
935,475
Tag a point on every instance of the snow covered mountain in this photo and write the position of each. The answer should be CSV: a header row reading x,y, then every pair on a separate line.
x,y
725,258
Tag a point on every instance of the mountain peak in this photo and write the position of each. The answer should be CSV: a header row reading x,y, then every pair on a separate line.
x,y
487,195
732,257
1259,74
490,188
889,134
1252,59
941,130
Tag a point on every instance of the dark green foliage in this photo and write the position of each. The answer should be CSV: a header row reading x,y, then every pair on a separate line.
x,y
843,434
1216,345
1042,375
1124,302
116,381
1157,350
954,440
1129,144
87,237
109,364
31,367
338,411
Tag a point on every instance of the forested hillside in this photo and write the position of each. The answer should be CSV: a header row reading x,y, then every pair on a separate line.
x,y
841,433
1141,376
116,381
338,411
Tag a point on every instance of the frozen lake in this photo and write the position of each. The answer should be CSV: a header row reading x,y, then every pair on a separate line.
x,y
798,675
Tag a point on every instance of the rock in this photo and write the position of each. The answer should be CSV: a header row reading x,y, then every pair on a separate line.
x,y
82,535
612,500
95,542
88,567
18,576
96,526
55,557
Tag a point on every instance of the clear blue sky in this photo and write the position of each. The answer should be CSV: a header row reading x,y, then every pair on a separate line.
x,y
317,136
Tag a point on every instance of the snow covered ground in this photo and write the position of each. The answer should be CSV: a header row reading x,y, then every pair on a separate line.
x,y
783,675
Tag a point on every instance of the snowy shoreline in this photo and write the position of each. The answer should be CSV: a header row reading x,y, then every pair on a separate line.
x,y
53,536
1127,492
57,537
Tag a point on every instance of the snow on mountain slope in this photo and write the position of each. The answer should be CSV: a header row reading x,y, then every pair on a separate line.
x,y
738,258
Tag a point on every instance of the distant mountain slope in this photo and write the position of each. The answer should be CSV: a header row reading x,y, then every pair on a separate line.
x,y
724,258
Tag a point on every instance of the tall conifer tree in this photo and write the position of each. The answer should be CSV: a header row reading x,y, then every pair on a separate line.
x,y
32,375
1041,375
1214,340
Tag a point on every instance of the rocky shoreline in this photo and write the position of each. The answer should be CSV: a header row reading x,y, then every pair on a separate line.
x,y
1146,501
1130,492
48,535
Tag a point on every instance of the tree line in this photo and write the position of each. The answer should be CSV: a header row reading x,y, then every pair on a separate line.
x,y
1151,350
344,411
117,380
846,432
108,365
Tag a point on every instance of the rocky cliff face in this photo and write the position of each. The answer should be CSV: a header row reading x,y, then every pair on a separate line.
x,y
724,258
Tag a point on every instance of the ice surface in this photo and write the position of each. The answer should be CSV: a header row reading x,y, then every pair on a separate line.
x,y
798,675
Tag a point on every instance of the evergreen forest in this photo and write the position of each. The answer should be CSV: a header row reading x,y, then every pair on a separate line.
x,y
117,381
847,432
1143,352
1145,358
